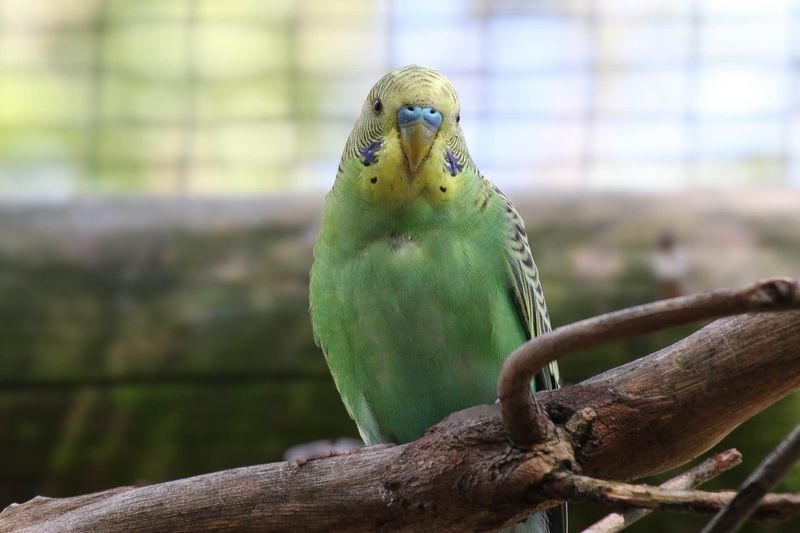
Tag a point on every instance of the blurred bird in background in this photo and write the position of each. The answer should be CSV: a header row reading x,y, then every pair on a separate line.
x,y
423,280
670,266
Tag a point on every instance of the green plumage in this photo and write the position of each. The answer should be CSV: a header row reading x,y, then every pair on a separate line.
x,y
414,310
420,289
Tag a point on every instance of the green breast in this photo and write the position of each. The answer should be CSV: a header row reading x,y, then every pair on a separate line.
x,y
415,322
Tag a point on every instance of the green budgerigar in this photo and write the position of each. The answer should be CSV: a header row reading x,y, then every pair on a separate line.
x,y
423,280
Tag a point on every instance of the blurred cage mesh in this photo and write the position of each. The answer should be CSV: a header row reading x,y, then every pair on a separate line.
x,y
243,96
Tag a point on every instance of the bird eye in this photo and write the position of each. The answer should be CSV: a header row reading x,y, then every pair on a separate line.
x,y
458,118
377,106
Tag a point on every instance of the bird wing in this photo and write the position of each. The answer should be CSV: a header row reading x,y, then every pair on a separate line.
x,y
526,287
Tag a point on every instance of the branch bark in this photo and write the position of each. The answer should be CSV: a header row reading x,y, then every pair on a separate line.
x,y
524,418
647,416
778,507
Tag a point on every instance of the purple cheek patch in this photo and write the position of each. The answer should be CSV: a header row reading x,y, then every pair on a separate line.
x,y
452,164
370,153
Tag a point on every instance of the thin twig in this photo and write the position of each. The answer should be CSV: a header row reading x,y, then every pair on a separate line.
x,y
759,483
526,423
694,477
576,488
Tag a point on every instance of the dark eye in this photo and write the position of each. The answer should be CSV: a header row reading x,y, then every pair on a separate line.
x,y
458,118
377,106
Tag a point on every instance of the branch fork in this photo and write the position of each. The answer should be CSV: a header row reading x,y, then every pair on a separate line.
x,y
525,420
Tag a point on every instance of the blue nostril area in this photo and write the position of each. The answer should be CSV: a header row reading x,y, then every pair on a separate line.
x,y
414,113
432,117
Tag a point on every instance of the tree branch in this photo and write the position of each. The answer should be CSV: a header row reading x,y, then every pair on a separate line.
x,y
694,477
524,418
757,485
647,416
777,507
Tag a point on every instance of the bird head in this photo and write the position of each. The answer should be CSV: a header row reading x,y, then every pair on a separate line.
x,y
408,137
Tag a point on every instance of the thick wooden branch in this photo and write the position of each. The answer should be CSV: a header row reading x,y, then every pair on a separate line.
x,y
676,403
645,417
524,418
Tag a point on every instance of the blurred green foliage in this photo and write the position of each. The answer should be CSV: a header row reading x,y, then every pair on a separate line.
x,y
147,340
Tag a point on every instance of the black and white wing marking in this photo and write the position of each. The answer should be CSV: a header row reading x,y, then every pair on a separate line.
x,y
526,287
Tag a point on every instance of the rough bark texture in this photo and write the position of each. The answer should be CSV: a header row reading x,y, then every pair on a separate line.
x,y
525,420
665,409
644,417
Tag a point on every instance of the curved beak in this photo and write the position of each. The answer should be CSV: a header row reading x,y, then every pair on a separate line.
x,y
416,140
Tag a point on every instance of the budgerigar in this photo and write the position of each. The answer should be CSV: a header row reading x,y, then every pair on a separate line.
x,y
423,280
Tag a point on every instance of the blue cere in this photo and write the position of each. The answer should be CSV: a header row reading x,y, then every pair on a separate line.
x,y
411,114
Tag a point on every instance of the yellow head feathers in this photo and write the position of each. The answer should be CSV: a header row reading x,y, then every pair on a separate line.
x,y
413,84
409,139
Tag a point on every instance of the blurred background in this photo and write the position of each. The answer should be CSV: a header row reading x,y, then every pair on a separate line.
x,y
163,165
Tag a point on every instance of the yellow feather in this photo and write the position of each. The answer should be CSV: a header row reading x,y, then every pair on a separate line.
x,y
393,183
